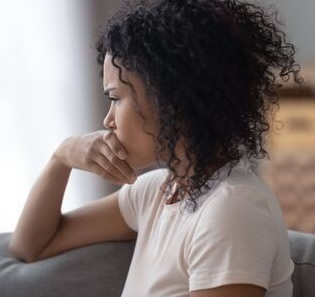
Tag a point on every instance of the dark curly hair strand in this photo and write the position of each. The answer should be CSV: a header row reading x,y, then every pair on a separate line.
x,y
210,69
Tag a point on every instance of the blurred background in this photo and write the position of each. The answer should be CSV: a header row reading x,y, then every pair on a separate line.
x,y
50,89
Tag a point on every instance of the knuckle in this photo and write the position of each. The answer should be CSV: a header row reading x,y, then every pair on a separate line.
x,y
96,142
113,158
89,149
104,175
113,141
109,156
108,166
95,169
107,136
100,172
113,144
124,169
86,159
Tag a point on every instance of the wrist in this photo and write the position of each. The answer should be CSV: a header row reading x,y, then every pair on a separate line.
x,y
59,157
57,169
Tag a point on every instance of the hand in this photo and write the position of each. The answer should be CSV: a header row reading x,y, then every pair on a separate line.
x,y
98,152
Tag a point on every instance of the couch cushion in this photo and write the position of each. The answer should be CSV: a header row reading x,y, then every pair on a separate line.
x,y
302,247
90,271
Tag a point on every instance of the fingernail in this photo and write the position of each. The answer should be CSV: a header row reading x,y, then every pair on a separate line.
x,y
121,155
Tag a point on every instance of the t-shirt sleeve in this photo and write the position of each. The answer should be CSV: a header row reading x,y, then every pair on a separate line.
x,y
135,199
234,242
128,206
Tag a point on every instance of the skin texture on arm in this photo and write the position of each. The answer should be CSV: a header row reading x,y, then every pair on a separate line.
x,y
41,218
237,290
41,215
99,221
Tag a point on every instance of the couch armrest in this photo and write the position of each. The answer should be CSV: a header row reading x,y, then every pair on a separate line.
x,y
302,246
95,270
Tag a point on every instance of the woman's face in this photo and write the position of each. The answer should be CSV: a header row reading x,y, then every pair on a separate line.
x,y
123,118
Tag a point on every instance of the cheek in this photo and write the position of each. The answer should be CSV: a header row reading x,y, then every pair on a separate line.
x,y
140,147
139,144
130,128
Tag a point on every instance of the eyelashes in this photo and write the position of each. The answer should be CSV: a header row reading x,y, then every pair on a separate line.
x,y
111,98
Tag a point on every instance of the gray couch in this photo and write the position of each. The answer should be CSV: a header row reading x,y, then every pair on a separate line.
x,y
100,270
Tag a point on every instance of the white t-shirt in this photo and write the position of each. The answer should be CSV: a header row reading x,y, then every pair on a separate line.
x,y
236,236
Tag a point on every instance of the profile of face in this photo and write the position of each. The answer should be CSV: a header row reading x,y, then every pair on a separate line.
x,y
123,117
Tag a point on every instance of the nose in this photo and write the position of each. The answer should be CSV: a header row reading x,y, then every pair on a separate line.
x,y
109,121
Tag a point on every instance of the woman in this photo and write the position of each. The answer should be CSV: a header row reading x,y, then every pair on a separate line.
x,y
191,84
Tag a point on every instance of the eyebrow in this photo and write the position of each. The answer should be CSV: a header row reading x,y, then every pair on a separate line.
x,y
106,91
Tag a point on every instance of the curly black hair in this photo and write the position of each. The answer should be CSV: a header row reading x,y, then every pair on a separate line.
x,y
211,69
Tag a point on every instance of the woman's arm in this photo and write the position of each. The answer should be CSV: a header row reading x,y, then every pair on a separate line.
x,y
41,216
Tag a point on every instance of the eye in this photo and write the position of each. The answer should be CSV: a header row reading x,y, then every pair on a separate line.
x,y
111,98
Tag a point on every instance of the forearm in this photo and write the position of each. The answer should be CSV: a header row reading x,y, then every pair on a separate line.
x,y
41,214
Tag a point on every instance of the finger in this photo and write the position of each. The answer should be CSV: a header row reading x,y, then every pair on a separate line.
x,y
99,170
109,167
120,165
112,141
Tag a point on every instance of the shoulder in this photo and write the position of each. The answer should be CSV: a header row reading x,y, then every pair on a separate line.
x,y
236,205
241,189
240,201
